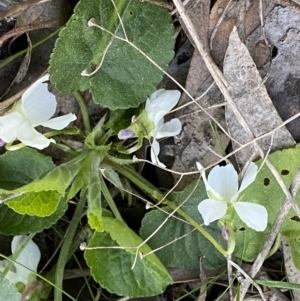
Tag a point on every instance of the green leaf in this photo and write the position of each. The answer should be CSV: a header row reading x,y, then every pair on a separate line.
x,y
41,196
121,119
112,176
184,252
8,290
22,166
12,223
278,284
59,179
266,191
126,77
295,250
121,272
43,203
94,197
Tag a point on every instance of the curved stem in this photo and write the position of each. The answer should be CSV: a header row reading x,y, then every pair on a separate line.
x,y
84,111
276,245
11,147
134,177
64,252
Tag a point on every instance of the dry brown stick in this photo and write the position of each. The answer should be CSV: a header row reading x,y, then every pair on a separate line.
x,y
221,83
248,278
283,211
294,4
160,3
221,19
20,30
17,8
219,78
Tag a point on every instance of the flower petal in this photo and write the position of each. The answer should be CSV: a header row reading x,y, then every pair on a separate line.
x,y
9,125
169,129
212,210
224,180
29,257
255,216
157,117
249,176
163,99
169,99
37,103
210,191
30,137
155,149
58,123
154,99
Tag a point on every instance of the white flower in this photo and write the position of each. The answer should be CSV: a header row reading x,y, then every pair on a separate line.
x,y
222,190
30,257
159,104
35,108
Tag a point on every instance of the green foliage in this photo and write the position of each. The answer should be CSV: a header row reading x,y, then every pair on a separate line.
x,y
185,252
22,166
94,197
266,191
121,119
122,271
19,168
126,77
8,290
41,196
12,223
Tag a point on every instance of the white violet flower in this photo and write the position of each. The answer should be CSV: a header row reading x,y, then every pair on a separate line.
x,y
222,190
35,108
159,104
29,257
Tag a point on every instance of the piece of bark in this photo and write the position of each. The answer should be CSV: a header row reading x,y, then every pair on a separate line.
x,y
253,103
197,141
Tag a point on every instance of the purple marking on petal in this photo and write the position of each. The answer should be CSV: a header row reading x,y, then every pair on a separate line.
x,y
2,142
126,134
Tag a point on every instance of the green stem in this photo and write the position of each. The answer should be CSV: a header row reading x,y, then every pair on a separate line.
x,y
81,236
109,199
14,56
134,177
276,245
66,131
65,149
17,253
64,252
84,111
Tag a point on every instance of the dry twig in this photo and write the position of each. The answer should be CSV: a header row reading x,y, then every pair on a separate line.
x,y
15,10
283,211
219,78
26,28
